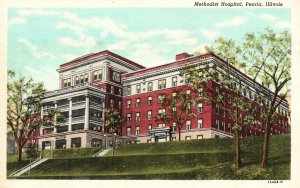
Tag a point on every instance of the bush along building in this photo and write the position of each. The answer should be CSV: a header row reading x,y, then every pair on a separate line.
x,y
101,80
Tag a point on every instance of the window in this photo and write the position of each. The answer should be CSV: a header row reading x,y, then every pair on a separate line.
x,y
128,117
161,112
138,88
188,93
200,74
174,126
217,124
128,103
199,137
81,79
116,76
173,111
187,78
161,125
188,109
119,104
223,125
149,114
188,138
161,84
111,103
86,79
173,138
137,130
111,89
200,107
77,80
67,82
174,95
150,86
200,123
149,100
161,98
174,81
120,91
137,116
200,92
97,74
128,90
138,103
188,125
128,131
149,127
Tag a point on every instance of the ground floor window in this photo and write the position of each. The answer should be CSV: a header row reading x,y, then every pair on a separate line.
x,y
188,138
149,141
60,144
76,142
96,142
199,136
173,138
46,145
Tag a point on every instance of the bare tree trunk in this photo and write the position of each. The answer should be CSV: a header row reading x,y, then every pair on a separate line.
x,y
265,152
19,153
238,161
179,132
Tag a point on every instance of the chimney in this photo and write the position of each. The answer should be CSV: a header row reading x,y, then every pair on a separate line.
x,y
182,56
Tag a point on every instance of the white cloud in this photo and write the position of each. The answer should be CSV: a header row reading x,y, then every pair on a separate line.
x,y
34,49
210,35
123,45
16,21
32,70
183,41
87,42
267,17
75,28
283,25
69,57
233,22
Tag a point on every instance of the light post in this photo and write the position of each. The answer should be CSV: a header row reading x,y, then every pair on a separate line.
x,y
113,143
104,141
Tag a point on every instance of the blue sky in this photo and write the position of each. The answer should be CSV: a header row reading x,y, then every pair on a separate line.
x,y
39,40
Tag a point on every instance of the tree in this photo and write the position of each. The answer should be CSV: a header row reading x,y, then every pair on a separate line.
x,y
31,152
223,90
23,107
179,109
113,122
268,55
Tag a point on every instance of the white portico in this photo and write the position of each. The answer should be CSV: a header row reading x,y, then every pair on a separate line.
x,y
82,106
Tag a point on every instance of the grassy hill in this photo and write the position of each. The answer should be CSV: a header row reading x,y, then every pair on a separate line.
x,y
195,159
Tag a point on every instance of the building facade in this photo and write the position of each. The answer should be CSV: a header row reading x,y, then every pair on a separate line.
x,y
93,82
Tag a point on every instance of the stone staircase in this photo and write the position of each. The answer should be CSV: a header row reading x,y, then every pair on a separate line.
x,y
102,152
28,167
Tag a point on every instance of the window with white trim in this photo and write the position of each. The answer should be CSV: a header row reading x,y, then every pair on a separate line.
x,y
128,117
200,107
162,84
187,137
111,89
161,112
150,86
138,102
161,98
67,82
116,76
188,125
138,88
137,116
149,100
149,114
200,92
161,125
111,103
149,127
128,131
199,137
97,75
200,123
188,93
174,81
128,103
137,130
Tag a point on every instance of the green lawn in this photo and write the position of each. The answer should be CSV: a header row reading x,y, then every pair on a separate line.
x,y
196,159
71,153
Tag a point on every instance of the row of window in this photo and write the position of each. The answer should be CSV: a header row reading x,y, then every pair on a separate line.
x,y
162,125
160,113
160,98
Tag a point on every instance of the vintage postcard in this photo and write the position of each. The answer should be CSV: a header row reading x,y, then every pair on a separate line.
x,y
141,90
